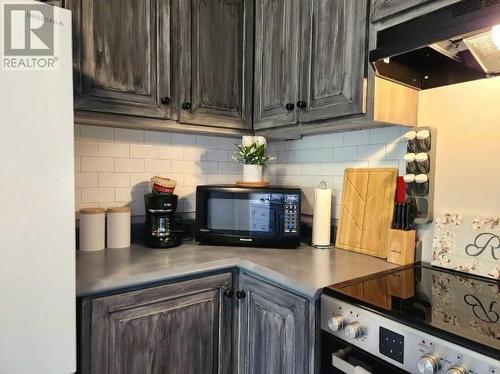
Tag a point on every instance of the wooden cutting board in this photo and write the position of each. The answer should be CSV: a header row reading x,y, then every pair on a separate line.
x,y
366,210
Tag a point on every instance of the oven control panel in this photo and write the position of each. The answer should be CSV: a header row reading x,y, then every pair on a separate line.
x,y
400,345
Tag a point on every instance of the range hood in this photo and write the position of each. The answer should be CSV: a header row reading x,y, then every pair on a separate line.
x,y
458,43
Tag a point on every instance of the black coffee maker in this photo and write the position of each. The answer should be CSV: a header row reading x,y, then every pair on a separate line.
x,y
160,220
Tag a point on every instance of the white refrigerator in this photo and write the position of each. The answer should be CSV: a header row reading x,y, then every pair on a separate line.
x,y
37,233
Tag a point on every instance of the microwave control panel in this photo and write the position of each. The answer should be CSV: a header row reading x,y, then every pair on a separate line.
x,y
291,219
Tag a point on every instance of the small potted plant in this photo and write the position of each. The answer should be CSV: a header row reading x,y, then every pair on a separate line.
x,y
251,153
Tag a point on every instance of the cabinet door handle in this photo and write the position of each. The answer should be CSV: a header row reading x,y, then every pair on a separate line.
x,y
301,104
165,100
186,106
228,292
289,107
241,294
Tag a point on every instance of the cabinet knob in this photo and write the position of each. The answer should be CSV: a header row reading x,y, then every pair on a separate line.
x,y
301,104
165,100
241,294
186,106
289,107
228,292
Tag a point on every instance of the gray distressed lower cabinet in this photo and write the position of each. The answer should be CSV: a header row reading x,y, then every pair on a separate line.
x,y
274,330
199,326
180,328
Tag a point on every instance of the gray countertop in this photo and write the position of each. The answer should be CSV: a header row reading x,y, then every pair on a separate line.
x,y
305,271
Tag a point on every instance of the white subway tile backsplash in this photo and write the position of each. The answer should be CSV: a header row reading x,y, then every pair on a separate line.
x,y
183,140
126,165
170,152
304,155
371,152
96,195
77,164
332,140
228,143
113,150
129,136
217,155
86,180
157,138
99,164
384,135
323,155
227,168
158,166
143,151
114,179
211,142
355,138
113,166
85,148
395,151
345,153
100,134
194,154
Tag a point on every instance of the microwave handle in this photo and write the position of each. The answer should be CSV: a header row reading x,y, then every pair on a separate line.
x,y
339,363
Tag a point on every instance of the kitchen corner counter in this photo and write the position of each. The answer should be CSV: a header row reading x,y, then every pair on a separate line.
x,y
305,271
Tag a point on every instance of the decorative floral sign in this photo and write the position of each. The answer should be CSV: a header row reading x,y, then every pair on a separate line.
x,y
467,243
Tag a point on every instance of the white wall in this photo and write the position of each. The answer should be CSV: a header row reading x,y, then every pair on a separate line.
x,y
467,119
113,166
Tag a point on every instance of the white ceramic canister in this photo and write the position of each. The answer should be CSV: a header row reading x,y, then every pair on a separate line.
x,y
118,227
92,229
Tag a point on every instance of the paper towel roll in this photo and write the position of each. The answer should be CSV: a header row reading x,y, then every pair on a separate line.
x,y
118,230
322,217
92,227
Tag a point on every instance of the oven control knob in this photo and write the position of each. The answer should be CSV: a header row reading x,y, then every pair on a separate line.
x,y
337,323
428,364
354,331
456,369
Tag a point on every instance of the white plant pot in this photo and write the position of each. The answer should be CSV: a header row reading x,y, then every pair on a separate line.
x,y
252,173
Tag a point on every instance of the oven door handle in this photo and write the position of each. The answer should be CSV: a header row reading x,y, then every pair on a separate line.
x,y
339,363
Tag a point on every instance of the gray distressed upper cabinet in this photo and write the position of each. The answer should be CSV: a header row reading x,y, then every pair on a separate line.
x,y
122,56
216,54
385,8
183,328
310,59
333,62
277,33
274,330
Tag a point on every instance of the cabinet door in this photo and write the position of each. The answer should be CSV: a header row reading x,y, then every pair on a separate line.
x,y
273,330
277,32
385,8
122,56
333,58
183,328
216,62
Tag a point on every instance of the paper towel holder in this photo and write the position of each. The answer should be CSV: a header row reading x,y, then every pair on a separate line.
x,y
322,246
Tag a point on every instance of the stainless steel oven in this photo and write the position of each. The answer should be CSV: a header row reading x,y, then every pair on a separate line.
x,y
231,215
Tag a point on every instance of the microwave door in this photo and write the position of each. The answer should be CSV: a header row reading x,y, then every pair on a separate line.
x,y
241,215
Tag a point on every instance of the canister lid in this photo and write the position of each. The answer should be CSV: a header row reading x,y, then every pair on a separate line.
x,y
92,211
119,209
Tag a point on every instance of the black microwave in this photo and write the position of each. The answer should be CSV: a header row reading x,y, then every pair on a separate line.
x,y
259,217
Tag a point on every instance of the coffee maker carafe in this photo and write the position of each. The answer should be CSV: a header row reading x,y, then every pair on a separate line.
x,y
160,220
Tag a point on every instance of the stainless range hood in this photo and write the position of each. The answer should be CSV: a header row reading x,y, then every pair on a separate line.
x,y
458,43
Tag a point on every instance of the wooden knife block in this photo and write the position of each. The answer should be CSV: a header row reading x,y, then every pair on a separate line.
x,y
401,247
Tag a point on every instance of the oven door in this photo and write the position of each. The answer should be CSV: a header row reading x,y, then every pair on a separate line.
x,y
338,356
239,217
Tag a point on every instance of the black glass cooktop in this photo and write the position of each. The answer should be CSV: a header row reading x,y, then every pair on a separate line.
x,y
452,305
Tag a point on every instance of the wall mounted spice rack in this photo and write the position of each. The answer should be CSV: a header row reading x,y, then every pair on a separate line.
x,y
420,170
